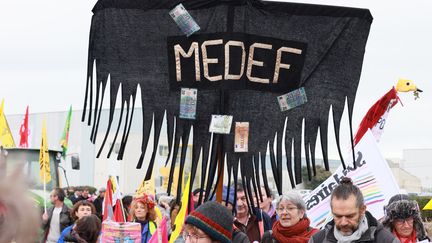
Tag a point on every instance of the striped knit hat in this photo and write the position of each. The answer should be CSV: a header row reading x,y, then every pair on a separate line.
x,y
214,219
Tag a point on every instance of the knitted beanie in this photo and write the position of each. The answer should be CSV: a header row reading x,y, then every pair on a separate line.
x,y
214,219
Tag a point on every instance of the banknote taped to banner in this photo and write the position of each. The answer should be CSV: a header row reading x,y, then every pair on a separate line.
x,y
292,99
220,124
241,137
184,20
188,103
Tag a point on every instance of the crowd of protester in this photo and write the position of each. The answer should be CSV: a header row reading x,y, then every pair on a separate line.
x,y
234,219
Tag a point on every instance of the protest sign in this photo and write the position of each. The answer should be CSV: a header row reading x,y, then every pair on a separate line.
x,y
113,232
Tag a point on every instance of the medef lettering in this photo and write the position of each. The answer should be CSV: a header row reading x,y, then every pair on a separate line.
x,y
326,189
235,61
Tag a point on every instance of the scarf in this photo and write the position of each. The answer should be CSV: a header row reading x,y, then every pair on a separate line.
x,y
363,226
298,233
410,239
271,211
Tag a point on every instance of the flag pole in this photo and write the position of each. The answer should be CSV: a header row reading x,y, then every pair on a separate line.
x,y
44,188
121,200
44,162
123,210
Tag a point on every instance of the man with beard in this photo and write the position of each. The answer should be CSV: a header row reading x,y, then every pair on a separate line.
x,y
57,217
351,222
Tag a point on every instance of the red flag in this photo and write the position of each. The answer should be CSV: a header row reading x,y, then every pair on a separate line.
x,y
118,212
107,207
115,214
374,113
24,132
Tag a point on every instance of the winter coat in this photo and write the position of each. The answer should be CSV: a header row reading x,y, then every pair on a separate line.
x,y
239,237
256,221
64,234
374,233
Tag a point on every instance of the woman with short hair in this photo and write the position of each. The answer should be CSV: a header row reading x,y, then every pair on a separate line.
x,y
292,224
80,209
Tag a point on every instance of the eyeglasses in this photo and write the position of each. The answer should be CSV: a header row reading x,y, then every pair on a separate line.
x,y
192,237
290,209
402,221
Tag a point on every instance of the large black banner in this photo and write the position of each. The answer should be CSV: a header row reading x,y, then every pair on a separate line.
x,y
245,55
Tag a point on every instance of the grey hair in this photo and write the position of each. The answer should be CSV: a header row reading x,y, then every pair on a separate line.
x,y
294,198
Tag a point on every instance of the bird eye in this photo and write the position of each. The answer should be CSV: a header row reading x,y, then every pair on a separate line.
x,y
407,83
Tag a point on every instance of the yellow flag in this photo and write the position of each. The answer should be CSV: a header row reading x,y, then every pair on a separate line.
x,y
428,206
113,184
164,172
44,161
158,214
6,138
147,187
181,216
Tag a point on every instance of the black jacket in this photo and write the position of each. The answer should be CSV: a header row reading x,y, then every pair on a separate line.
x,y
98,203
375,233
239,236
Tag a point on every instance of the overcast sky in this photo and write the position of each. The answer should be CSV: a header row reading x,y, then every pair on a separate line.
x,y
44,44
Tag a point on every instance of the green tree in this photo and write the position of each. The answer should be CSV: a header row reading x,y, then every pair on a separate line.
x,y
422,201
320,177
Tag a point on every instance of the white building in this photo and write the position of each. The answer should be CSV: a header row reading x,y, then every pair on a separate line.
x,y
418,162
407,182
94,171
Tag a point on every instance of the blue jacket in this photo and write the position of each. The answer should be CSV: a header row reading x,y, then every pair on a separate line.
x,y
63,233
148,228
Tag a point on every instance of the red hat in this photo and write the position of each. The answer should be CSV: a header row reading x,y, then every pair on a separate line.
x,y
145,200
